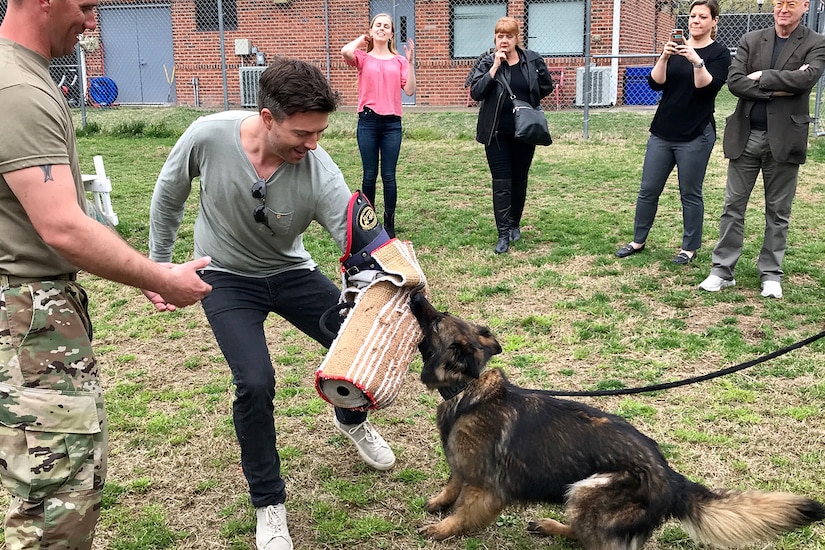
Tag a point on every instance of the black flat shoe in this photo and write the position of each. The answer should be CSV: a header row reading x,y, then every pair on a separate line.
x,y
682,258
628,250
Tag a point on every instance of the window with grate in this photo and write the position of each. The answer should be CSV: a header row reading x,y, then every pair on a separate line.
x,y
472,26
206,15
555,27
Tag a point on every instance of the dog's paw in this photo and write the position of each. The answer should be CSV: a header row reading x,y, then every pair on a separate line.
x,y
549,527
435,531
435,505
534,527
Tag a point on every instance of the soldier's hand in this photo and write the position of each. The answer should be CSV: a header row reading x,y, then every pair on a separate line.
x,y
182,287
158,301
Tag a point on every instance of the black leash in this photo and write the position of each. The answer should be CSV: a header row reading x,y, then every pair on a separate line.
x,y
685,382
323,322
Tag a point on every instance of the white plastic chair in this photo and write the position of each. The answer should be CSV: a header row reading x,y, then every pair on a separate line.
x,y
100,187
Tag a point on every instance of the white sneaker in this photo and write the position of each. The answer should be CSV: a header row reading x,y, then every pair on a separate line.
x,y
714,283
771,289
272,532
371,446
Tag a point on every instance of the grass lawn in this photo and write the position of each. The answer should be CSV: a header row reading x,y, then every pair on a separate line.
x,y
568,313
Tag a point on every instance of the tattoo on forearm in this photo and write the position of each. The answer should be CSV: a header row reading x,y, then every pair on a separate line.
x,y
47,172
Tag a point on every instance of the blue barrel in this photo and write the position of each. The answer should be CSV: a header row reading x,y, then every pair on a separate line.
x,y
636,89
102,90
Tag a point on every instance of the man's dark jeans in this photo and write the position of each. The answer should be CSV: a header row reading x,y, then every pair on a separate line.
x,y
236,309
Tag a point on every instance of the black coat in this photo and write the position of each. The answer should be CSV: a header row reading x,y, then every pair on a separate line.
x,y
490,93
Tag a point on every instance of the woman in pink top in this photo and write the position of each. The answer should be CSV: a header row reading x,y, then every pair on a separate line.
x,y
382,74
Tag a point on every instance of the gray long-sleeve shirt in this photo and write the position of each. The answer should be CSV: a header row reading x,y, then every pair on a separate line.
x,y
225,229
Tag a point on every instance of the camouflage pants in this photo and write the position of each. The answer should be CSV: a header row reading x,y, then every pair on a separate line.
x,y
53,438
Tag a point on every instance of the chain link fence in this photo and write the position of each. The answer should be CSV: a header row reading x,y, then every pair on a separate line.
x,y
210,53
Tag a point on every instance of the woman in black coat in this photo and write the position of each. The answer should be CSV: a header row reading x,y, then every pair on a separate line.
x,y
509,160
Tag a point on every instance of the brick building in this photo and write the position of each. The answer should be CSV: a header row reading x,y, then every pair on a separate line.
x,y
170,52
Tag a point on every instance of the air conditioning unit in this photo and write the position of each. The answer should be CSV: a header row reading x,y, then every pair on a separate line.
x,y
601,80
249,85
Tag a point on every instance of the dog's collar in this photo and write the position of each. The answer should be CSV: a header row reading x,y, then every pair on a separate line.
x,y
449,393
452,391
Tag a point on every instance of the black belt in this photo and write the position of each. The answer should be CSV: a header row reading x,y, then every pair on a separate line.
x,y
14,280
368,111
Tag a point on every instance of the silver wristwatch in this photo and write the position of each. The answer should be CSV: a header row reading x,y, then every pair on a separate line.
x,y
700,64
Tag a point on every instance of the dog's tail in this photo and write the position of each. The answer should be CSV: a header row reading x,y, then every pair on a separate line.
x,y
727,517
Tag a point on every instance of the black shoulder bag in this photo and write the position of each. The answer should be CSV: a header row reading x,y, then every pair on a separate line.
x,y
531,124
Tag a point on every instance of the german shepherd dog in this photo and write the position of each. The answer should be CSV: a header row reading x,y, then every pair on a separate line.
x,y
506,444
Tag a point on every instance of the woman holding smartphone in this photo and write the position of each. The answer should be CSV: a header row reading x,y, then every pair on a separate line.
x,y
690,74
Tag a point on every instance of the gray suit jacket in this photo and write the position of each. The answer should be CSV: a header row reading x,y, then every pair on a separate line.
x,y
788,115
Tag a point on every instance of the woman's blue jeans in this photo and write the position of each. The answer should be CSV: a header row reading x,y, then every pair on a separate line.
x,y
236,309
379,138
691,160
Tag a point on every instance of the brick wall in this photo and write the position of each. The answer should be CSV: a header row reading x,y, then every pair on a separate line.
x,y
298,29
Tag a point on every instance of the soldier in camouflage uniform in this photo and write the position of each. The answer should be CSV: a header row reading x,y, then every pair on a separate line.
x,y
52,422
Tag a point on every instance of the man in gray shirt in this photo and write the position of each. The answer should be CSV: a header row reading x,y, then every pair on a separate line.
x,y
263,180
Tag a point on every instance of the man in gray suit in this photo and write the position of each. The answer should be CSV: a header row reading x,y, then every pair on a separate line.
x,y
772,74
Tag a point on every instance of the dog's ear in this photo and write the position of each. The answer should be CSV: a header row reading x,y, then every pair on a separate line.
x,y
471,363
471,357
488,340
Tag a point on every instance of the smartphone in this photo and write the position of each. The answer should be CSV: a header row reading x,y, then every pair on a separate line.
x,y
678,36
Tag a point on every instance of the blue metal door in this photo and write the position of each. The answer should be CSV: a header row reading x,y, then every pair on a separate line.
x,y
137,52
403,18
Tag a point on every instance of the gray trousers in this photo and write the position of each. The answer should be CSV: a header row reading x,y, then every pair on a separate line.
x,y
780,181
691,160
